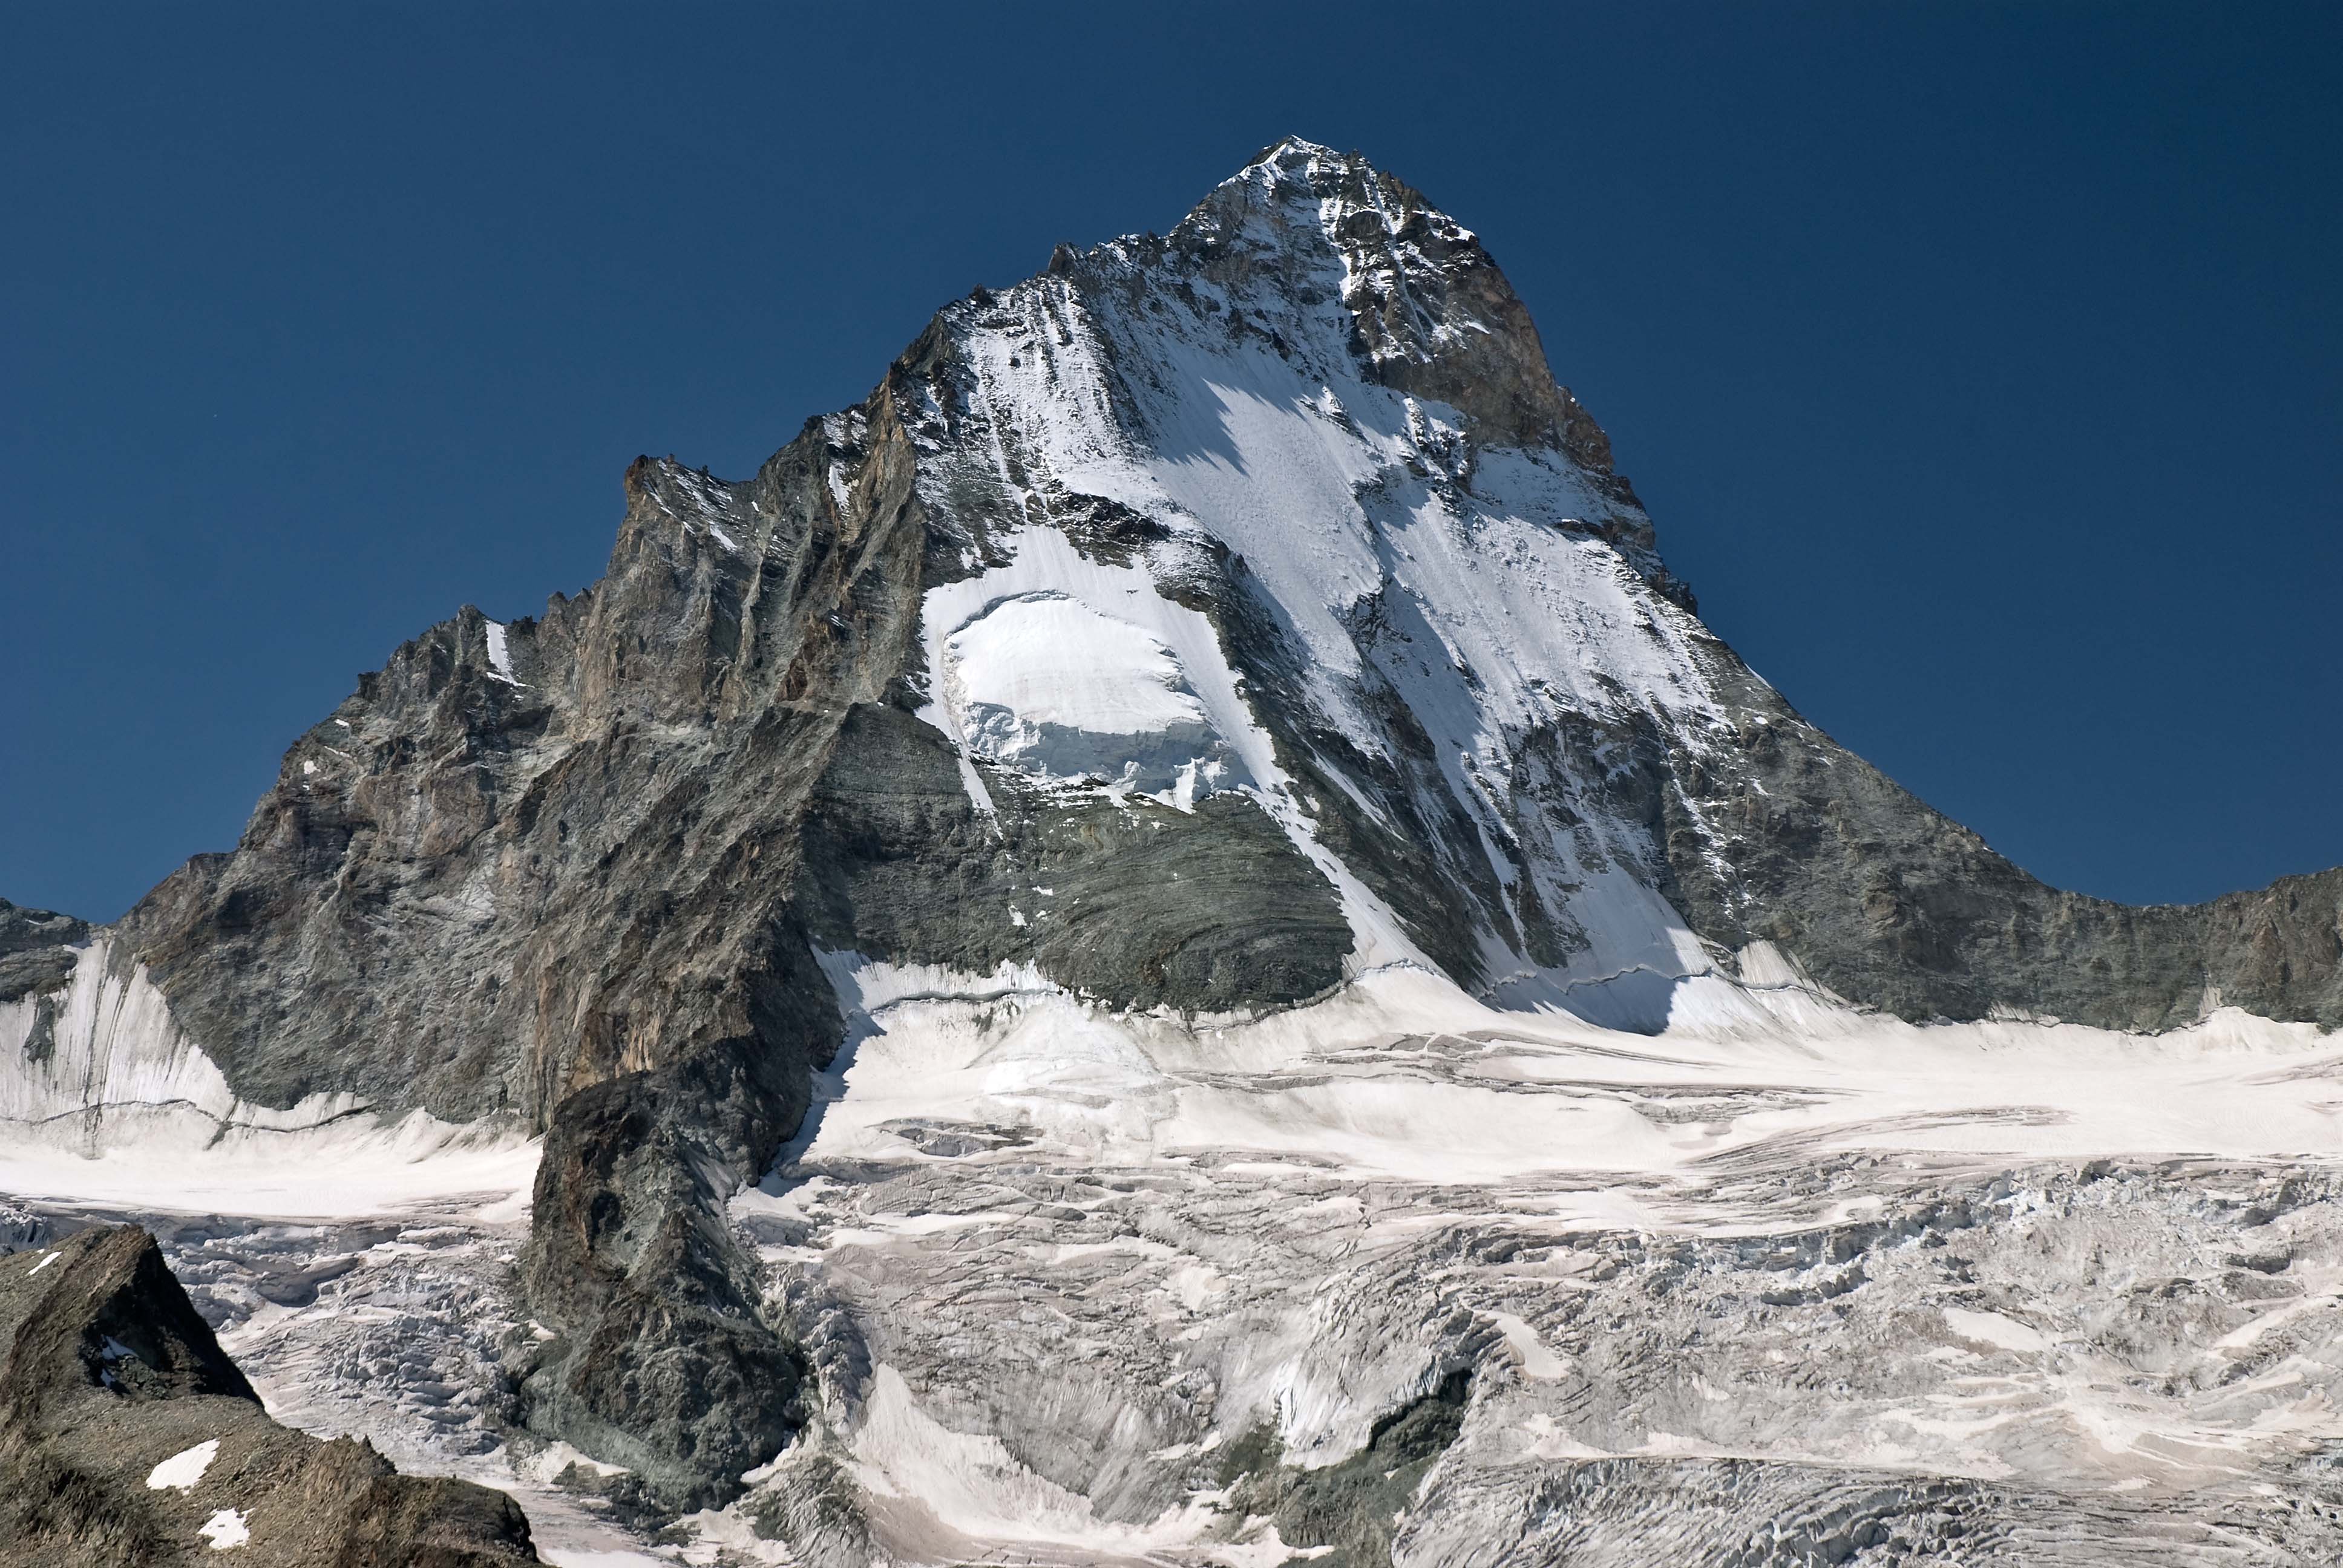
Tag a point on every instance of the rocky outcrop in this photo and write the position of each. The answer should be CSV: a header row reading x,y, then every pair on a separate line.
x,y
128,1437
1782,835
1345,1514
35,949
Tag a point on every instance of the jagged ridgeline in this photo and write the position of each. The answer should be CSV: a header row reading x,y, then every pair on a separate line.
x,y
1199,626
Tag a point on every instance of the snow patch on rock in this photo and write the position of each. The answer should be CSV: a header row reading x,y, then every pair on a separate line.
x,y
499,655
184,1470
226,1530
1055,688
1123,606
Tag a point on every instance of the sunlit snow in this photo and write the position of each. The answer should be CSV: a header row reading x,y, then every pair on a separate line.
x,y
226,1530
1049,685
182,1471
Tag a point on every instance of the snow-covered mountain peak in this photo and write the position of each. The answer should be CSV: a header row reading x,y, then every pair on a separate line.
x,y
1290,159
1318,417
1348,197
1429,311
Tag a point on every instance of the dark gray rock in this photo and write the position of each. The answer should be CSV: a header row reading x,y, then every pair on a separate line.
x,y
1895,905
35,949
1343,1515
1145,906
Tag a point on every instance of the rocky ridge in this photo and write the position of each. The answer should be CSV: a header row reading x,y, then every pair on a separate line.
x,y
128,1437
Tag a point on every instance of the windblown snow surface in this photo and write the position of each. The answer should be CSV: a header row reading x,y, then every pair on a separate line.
x,y
1770,1279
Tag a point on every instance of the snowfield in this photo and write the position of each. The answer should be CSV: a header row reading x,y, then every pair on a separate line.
x,y
1403,1077
1027,1212
1057,691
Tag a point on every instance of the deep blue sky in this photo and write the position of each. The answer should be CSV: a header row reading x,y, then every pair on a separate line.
x,y
1983,366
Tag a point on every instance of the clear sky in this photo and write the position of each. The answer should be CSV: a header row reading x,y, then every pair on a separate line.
x,y
1982,365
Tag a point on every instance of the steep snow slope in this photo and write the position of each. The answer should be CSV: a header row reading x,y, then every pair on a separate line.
x,y
1122,611
105,1099
1444,591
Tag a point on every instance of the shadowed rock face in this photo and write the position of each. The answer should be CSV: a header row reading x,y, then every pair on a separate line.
x,y
1782,835
127,1437
572,872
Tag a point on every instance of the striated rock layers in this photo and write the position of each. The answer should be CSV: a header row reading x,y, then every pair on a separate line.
x,y
1194,627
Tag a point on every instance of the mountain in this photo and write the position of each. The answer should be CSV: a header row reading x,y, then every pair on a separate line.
x,y
1234,639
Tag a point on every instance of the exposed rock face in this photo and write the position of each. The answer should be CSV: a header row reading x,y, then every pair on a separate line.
x,y
1190,630
1780,835
128,1437
33,949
